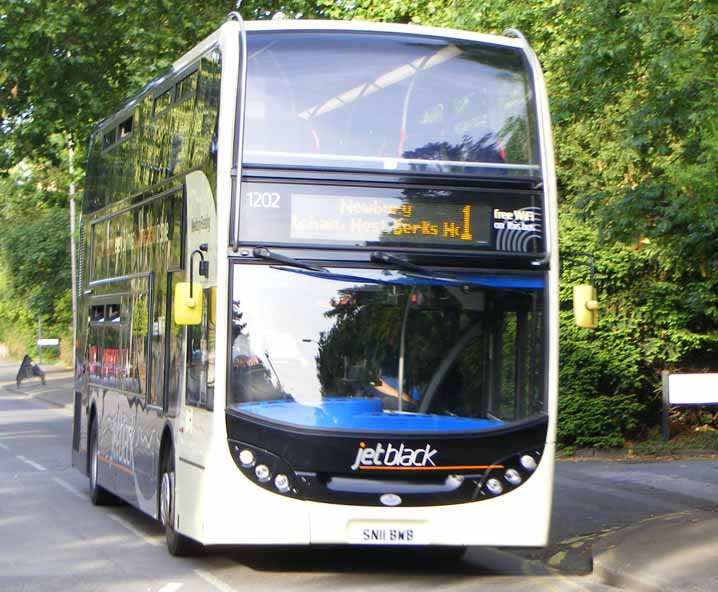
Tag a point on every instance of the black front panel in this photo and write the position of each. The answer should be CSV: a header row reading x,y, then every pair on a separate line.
x,y
418,469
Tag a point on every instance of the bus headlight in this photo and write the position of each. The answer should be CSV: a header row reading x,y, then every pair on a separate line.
x,y
281,482
513,477
455,481
528,462
265,469
246,457
494,486
262,473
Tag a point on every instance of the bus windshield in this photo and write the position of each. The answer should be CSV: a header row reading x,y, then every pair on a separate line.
x,y
389,351
374,101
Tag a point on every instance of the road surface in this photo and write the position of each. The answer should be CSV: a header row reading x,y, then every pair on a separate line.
x,y
52,538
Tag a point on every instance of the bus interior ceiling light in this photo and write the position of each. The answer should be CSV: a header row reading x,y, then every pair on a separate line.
x,y
383,81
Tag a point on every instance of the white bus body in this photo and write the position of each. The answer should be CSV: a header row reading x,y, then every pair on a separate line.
x,y
164,411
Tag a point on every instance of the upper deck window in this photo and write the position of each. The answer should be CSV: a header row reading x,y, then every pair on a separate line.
x,y
388,102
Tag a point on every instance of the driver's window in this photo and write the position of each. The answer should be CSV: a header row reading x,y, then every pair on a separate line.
x,y
252,375
517,360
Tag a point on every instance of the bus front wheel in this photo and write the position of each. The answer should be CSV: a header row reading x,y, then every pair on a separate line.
x,y
178,544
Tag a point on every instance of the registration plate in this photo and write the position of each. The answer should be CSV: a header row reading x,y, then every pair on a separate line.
x,y
388,533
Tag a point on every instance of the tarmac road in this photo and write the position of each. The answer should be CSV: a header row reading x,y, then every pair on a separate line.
x,y
51,538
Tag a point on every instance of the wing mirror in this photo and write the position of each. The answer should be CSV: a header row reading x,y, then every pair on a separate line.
x,y
585,306
188,298
187,305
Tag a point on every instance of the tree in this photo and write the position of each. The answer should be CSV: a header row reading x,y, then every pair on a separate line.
x,y
63,66
632,90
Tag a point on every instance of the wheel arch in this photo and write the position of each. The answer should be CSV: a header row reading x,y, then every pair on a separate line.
x,y
90,426
166,444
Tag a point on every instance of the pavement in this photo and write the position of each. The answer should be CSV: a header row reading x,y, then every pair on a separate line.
x,y
672,552
675,552
57,389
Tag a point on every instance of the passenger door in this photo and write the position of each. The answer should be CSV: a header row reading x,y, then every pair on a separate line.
x,y
195,429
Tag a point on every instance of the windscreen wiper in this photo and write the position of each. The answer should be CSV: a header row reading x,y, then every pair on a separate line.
x,y
266,254
412,269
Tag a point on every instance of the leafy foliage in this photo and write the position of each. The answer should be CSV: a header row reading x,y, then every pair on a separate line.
x,y
35,246
63,66
632,86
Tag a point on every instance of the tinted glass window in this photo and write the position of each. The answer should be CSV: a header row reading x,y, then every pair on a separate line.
x,y
335,350
388,102
117,341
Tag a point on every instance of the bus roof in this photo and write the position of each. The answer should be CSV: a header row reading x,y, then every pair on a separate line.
x,y
307,25
372,27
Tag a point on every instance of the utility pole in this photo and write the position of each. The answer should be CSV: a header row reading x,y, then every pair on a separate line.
x,y
71,167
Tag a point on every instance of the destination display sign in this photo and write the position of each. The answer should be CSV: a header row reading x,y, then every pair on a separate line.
x,y
274,213
341,218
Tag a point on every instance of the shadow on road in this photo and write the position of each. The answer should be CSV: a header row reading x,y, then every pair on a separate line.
x,y
322,558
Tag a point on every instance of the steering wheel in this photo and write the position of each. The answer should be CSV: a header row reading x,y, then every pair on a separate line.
x,y
428,399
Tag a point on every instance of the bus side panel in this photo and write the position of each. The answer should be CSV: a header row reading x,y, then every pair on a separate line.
x,y
238,512
193,439
121,422
190,488
106,474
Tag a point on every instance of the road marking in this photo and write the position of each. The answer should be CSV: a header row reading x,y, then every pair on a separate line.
x,y
214,581
32,463
135,531
22,434
34,436
171,587
4,447
67,487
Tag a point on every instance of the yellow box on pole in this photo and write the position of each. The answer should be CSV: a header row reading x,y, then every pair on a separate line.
x,y
188,309
585,306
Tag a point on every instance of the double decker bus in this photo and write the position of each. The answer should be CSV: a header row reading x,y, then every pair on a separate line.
x,y
318,291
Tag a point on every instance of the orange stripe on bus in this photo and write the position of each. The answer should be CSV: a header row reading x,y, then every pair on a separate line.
x,y
112,463
454,468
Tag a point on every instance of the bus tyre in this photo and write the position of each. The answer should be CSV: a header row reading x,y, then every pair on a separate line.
x,y
178,544
440,553
449,554
99,496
